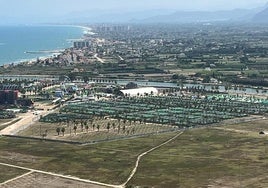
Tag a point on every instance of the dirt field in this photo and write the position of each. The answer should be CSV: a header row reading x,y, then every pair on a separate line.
x,y
93,134
34,180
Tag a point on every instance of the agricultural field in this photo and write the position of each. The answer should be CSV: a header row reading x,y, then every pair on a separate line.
x,y
209,157
43,181
248,127
7,173
131,117
218,156
109,162
182,112
92,130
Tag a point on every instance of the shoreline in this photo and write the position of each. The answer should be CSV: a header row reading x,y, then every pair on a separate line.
x,y
44,55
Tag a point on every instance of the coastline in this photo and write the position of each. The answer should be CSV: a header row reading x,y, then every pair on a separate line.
x,y
86,29
44,56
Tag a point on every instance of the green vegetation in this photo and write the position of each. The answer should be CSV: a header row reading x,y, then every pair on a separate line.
x,y
109,162
93,130
7,173
207,157
6,115
56,117
179,111
145,51
220,57
202,157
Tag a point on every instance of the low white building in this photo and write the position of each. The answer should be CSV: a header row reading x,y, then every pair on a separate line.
x,y
143,91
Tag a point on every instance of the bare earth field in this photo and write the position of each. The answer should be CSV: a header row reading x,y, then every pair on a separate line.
x,y
93,134
33,180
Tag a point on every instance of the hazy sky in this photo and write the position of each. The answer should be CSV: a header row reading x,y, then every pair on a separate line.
x,y
41,11
60,7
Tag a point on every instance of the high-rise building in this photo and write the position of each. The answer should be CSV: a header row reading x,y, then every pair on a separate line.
x,y
82,44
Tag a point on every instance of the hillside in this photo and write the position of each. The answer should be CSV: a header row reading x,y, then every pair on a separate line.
x,y
261,16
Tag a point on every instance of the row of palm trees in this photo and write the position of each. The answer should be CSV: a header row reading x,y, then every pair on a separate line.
x,y
84,125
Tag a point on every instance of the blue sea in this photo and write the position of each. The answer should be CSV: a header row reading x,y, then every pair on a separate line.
x,y
16,40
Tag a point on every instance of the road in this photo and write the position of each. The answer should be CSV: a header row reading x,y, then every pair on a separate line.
x,y
26,119
99,59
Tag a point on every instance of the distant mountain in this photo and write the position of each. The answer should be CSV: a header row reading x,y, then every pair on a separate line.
x,y
115,16
203,16
146,16
160,16
261,16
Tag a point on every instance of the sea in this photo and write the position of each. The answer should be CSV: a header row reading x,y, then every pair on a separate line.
x,y
15,41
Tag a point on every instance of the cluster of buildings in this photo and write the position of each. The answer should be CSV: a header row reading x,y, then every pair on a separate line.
x,y
81,43
109,27
9,95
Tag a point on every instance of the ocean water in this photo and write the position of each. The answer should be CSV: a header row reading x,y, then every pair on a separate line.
x,y
16,40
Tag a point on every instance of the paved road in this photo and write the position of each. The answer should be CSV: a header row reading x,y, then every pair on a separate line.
x,y
25,121
99,59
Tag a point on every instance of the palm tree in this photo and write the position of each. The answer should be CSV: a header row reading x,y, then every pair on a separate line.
x,y
124,129
82,125
133,130
58,130
63,130
87,127
108,126
68,124
75,127
113,124
93,126
118,128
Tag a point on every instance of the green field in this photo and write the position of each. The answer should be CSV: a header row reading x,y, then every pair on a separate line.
x,y
109,162
208,156
217,157
7,173
182,112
